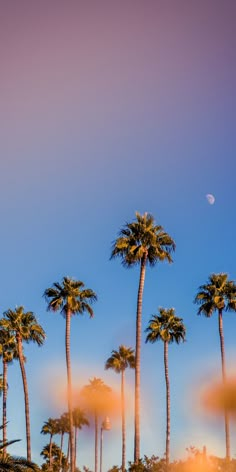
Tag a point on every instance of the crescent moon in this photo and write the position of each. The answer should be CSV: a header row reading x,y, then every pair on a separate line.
x,y
210,198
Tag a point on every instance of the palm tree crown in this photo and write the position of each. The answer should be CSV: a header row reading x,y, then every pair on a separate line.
x,y
166,327
95,393
79,418
217,295
23,325
143,238
70,296
50,427
121,359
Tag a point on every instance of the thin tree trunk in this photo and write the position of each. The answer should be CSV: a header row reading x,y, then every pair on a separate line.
x,y
69,389
96,441
226,415
4,404
76,436
123,418
137,360
50,453
62,437
68,449
167,403
26,396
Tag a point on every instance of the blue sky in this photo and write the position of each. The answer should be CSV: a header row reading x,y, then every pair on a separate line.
x,y
107,110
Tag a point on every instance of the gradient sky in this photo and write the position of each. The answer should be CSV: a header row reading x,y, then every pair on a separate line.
x,y
108,108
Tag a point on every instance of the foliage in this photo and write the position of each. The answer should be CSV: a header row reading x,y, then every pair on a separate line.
x,y
96,395
166,326
79,418
23,325
121,359
148,464
70,296
55,454
217,294
10,463
142,238
115,468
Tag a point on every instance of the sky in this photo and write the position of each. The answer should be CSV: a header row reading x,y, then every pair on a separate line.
x,y
108,108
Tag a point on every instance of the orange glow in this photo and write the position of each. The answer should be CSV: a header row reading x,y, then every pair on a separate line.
x,y
217,396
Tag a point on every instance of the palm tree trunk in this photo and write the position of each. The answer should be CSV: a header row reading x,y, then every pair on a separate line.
x,y
69,389
76,436
50,453
96,441
167,403
61,447
68,448
226,416
123,418
26,396
137,360
4,404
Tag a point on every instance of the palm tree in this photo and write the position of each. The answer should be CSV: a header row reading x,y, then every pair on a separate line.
x,y
63,427
218,294
8,352
96,394
141,242
168,328
54,453
119,361
79,420
50,427
12,463
24,327
70,297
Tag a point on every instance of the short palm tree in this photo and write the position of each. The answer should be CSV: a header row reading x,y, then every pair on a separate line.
x,y
24,327
54,452
70,297
142,243
119,361
8,352
167,327
50,427
64,427
96,395
218,294
79,420
12,463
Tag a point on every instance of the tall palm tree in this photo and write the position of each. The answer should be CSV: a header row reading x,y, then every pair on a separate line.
x,y
218,294
50,427
119,361
141,242
8,352
79,420
70,297
96,394
24,327
168,328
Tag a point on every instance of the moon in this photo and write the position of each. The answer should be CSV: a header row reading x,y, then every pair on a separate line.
x,y
210,198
